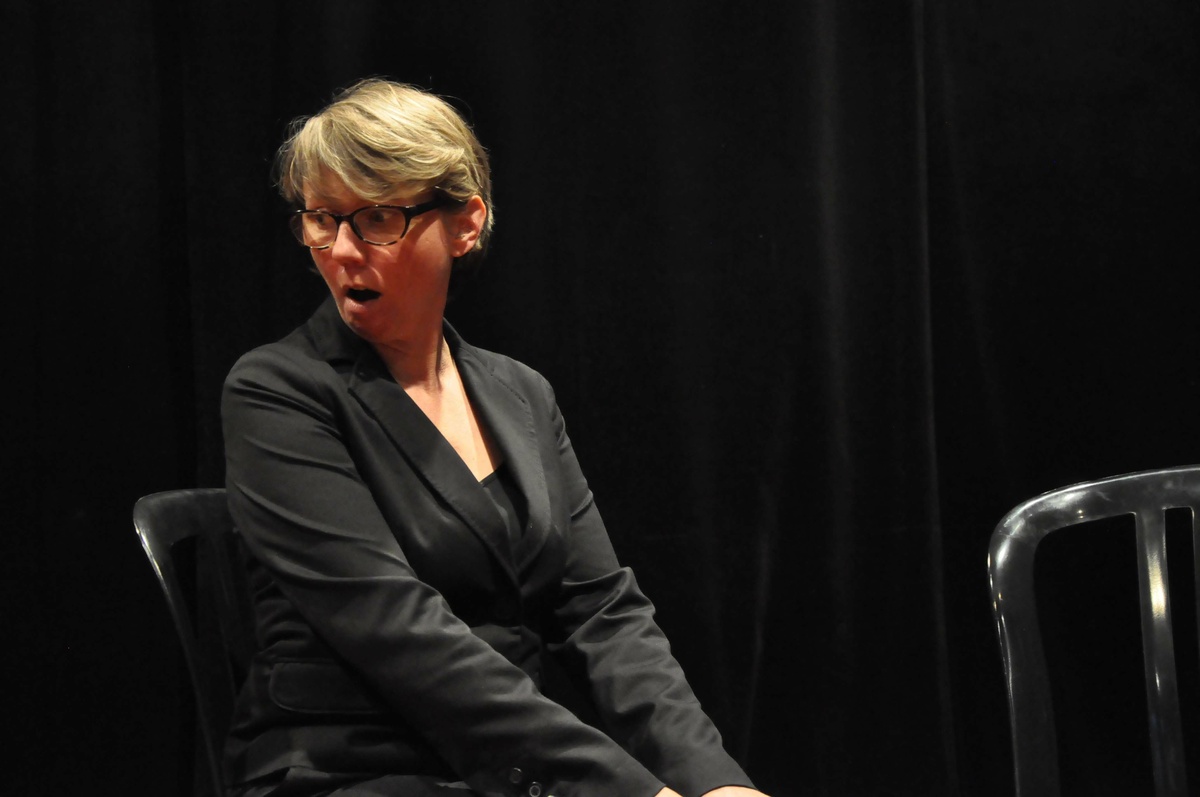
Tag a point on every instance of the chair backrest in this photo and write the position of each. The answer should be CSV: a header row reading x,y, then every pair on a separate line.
x,y
1146,496
192,546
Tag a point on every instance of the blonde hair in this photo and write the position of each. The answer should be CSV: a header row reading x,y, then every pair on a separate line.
x,y
380,137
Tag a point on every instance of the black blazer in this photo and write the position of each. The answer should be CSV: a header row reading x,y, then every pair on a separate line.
x,y
401,631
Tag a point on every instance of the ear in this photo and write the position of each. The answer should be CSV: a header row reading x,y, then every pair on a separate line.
x,y
466,225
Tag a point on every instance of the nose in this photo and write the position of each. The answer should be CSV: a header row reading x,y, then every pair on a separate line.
x,y
346,245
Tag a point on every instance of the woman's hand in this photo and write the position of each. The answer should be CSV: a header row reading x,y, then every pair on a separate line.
x,y
724,791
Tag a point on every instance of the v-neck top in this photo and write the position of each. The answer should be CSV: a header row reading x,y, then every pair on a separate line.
x,y
502,488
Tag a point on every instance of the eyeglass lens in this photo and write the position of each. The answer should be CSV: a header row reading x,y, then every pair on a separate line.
x,y
374,225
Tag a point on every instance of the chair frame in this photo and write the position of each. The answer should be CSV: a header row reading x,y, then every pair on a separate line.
x,y
1145,495
161,521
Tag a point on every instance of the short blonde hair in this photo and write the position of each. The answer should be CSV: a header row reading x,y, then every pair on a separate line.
x,y
380,137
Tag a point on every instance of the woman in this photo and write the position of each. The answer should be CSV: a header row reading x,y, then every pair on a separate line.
x,y
421,533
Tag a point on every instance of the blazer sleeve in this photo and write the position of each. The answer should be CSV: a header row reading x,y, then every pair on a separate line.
x,y
306,514
610,640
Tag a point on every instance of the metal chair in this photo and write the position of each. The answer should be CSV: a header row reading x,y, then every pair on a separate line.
x,y
1146,496
190,541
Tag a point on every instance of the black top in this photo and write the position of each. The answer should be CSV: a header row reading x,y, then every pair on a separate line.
x,y
506,495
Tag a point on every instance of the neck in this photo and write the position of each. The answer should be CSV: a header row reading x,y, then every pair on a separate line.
x,y
419,362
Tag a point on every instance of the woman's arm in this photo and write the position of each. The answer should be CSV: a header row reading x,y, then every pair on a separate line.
x,y
610,640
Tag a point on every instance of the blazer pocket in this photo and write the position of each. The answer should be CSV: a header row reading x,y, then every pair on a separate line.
x,y
320,687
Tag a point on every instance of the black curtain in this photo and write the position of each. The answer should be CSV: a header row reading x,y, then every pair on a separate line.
x,y
823,288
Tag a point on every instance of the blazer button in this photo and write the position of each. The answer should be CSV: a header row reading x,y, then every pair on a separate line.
x,y
535,789
515,775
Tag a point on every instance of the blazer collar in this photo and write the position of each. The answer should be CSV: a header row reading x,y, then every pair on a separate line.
x,y
504,410
333,341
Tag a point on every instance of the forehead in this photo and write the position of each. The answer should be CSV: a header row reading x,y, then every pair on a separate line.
x,y
331,193
328,190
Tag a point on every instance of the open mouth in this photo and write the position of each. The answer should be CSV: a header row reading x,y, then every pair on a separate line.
x,y
362,295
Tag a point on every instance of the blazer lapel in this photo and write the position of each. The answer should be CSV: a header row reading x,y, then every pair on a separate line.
x,y
430,455
417,439
505,412
509,418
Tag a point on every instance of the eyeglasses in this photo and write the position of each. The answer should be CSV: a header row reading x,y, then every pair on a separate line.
x,y
378,225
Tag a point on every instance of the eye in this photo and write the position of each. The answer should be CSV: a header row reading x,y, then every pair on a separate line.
x,y
380,216
381,225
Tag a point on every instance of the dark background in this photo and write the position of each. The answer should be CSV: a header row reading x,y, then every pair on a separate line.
x,y
824,288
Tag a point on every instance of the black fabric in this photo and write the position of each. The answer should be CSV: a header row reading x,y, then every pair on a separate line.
x,y
824,289
301,782
502,488
388,572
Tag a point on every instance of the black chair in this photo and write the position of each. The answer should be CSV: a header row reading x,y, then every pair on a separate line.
x,y
1146,496
190,541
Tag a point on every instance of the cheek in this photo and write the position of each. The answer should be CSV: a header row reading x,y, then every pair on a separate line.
x,y
323,264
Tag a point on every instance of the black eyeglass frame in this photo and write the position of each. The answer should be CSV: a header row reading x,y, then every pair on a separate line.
x,y
296,219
